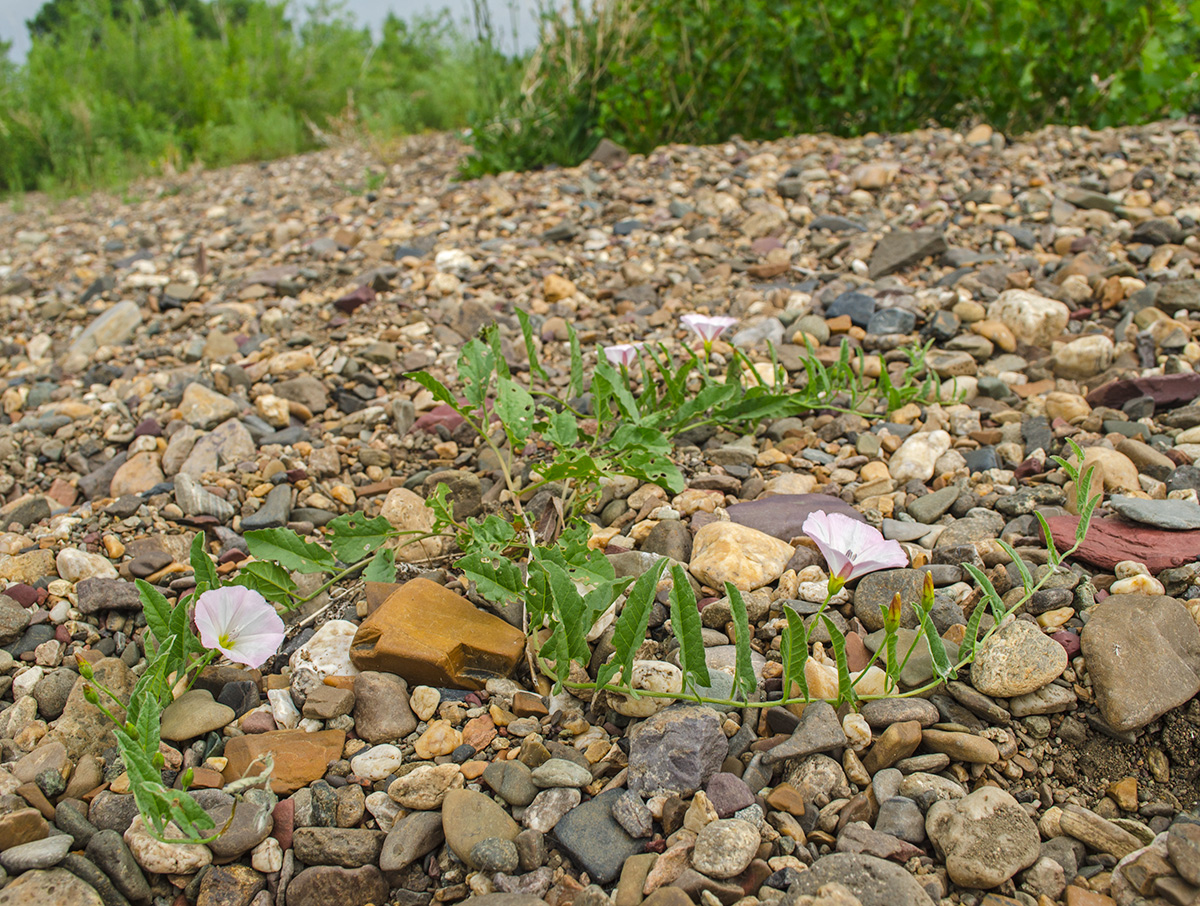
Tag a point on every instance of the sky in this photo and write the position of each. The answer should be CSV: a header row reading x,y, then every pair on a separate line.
x,y
13,14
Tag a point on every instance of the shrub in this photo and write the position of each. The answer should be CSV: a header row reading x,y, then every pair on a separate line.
x,y
650,72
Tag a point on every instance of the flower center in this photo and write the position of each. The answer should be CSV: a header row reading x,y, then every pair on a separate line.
x,y
224,640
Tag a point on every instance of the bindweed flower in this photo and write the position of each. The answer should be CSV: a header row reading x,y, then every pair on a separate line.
x,y
622,355
851,548
708,328
240,623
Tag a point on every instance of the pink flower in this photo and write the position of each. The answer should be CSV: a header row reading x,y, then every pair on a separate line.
x,y
708,328
852,548
240,623
622,355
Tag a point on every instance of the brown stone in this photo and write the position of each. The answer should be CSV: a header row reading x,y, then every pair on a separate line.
x,y
300,758
22,826
1165,389
1077,896
898,741
961,746
429,635
527,704
1109,541
786,798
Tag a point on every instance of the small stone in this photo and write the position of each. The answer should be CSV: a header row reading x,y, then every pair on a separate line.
x,y
165,858
594,840
676,750
874,881
426,786
1017,659
194,714
469,818
45,853
412,837
495,854
325,884
558,772
725,847
300,757
986,837
1030,316
915,457
382,711
728,552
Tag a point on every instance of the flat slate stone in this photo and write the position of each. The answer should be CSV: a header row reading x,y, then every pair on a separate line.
x,y
1109,541
1175,515
874,881
782,516
594,840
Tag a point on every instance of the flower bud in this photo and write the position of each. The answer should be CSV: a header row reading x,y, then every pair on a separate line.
x,y
891,619
85,667
927,593
158,760
91,696
131,731
186,780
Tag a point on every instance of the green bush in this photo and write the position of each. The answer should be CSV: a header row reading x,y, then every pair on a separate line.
x,y
111,88
650,72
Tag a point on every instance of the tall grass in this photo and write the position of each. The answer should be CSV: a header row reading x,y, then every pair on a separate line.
x,y
110,95
651,72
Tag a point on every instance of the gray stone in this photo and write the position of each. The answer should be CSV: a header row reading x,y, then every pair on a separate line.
x,y
13,619
1143,657
1165,514
819,730
275,511
725,847
112,328
344,846
881,713
44,853
632,814
928,508
52,887
252,821
900,817
901,248
512,781
196,500
676,750
874,881
558,772
410,838
96,595
880,587
594,840
495,854
323,885
381,709
108,850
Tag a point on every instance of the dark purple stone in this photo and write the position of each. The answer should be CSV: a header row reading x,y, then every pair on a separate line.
x,y
782,516
728,793
1165,389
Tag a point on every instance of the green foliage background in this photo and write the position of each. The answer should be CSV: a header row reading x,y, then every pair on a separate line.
x,y
649,72
114,88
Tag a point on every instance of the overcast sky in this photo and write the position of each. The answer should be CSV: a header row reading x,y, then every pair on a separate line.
x,y
13,14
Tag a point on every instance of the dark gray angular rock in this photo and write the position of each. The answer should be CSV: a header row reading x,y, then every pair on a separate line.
x,y
900,248
594,840
676,750
96,595
410,838
819,730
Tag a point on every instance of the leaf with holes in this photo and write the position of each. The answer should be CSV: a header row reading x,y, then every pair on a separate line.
x,y
289,550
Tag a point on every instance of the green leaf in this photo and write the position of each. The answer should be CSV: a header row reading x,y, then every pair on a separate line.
x,y
794,648
608,381
157,610
561,430
515,408
745,683
289,550
630,630
686,625
568,609
496,578
268,579
202,565
1051,551
476,365
535,367
846,693
937,648
382,567
439,390
966,650
353,536
1026,576
989,591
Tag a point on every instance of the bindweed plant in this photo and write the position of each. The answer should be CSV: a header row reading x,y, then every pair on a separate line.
x,y
539,562
235,622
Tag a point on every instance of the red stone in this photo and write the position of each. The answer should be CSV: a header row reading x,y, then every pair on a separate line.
x,y
1165,389
353,300
1069,641
284,816
1109,541
438,415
